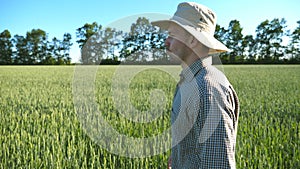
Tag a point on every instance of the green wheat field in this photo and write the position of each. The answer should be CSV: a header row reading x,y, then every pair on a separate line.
x,y
39,127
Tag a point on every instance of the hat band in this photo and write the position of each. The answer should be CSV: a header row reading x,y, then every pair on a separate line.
x,y
201,27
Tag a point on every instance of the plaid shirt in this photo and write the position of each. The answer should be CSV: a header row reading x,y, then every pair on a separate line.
x,y
204,119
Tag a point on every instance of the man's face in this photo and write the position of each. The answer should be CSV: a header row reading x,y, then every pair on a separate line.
x,y
176,44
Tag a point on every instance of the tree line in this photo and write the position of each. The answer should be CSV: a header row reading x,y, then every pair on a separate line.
x,y
144,43
34,48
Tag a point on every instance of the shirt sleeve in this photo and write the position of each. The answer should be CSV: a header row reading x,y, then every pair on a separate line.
x,y
216,129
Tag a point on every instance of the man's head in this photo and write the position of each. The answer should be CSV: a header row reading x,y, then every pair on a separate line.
x,y
198,21
182,46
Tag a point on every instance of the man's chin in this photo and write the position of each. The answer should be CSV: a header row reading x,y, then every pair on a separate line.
x,y
174,59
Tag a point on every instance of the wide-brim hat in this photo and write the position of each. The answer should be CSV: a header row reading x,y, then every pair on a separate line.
x,y
199,21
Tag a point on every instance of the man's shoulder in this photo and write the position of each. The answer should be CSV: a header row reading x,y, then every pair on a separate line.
x,y
211,78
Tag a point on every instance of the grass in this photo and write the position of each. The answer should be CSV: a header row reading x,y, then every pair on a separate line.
x,y
39,126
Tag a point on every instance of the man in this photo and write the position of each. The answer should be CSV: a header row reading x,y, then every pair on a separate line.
x,y
205,107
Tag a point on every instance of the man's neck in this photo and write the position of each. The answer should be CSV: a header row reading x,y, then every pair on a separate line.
x,y
190,60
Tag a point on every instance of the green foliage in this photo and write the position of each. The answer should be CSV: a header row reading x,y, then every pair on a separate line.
x,y
37,45
85,32
269,37
294,46
5,48
35,49
142,40
265,47
40,129
233,39
96,43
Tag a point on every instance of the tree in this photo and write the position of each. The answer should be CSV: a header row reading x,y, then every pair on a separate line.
x,y
37,45
86,34
143,42
109,42
50,52
21,55
97,43
136,40
157,45
234,38
86,31
221,35
54,49
87,40
5,48
58,51
268,39
65,46
248,46
294,46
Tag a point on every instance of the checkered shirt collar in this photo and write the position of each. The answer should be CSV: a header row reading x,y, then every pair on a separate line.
x,y
190,72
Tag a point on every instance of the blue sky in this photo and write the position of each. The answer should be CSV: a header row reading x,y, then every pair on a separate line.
x,y
57,17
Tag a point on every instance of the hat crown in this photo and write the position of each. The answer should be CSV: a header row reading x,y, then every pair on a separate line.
x,y
199,21
198,16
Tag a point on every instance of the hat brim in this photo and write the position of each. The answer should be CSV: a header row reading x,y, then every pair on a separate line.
x,y
211,42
